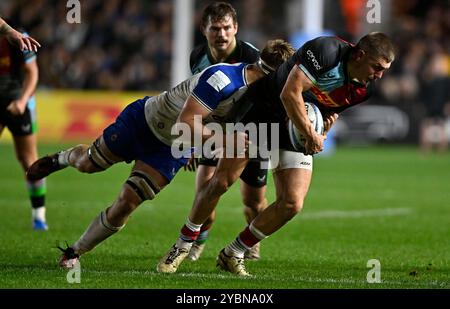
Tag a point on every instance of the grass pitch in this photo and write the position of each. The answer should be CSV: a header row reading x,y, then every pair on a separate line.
x,y
386,203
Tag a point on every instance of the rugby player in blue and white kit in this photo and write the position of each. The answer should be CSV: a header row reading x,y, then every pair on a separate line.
x,y
142,133
327,71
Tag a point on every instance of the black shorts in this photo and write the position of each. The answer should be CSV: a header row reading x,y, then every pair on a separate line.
x,y
253,175
18,125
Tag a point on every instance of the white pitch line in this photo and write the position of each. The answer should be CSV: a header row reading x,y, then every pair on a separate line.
x,y
294,278
381,212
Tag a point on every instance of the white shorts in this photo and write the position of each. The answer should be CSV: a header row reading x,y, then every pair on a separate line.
x,y
292,159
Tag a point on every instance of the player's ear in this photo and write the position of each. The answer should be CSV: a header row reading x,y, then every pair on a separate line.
x,y
359,54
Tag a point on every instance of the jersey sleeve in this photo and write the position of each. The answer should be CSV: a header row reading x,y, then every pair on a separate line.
x,y
28,55
318,56
194,57
249,54
210,89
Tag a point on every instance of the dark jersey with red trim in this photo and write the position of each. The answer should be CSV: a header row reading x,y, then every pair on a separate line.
x,y
12,60
324,61
201,57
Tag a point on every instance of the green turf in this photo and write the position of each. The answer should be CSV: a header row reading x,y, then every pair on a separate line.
x,y
385,203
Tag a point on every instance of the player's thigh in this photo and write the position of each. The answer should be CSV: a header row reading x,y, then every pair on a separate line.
x,y
254,184
293,175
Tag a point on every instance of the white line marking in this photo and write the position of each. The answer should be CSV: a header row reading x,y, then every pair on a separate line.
x,y
381,212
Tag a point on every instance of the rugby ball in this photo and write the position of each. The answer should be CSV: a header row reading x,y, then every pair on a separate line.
x,y
314,115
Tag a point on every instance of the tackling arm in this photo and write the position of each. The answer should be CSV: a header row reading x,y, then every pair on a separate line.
x,y
192,114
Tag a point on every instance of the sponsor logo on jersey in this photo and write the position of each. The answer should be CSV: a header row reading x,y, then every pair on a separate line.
x,y
313,60
323,97
26,127
218,81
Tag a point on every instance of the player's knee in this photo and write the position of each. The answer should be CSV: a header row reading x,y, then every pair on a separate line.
x,y
256,203
128,201
218,186
84,165
291,207
141,186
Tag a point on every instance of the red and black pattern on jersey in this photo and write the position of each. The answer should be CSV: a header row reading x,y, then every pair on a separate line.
x,y
12,60
324,61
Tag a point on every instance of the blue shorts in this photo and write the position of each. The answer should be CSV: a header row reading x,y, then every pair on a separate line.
x,y
131,139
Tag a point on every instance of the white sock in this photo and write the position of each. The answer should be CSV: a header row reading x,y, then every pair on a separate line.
x,y
182,241
98,231
236,248
182,244
38,213
192,226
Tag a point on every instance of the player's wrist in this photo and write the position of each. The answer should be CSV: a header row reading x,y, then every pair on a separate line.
x,y
6,29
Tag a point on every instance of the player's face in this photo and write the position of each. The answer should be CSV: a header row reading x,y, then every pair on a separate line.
x,y
220,34
370,68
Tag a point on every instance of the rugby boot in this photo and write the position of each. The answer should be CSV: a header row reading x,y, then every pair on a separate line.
x,y
69,258
253,253
196,251
170,262
231,264
43,167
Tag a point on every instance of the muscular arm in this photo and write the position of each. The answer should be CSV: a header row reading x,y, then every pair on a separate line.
x,y
291,96
192,114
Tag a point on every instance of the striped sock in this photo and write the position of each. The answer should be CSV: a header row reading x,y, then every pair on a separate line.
x,y
245,241
36,192
204,234
189,233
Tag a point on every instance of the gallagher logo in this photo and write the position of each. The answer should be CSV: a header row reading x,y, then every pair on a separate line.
x,y
313,60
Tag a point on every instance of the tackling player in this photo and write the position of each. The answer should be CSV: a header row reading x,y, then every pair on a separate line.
x,y
142,133
219,26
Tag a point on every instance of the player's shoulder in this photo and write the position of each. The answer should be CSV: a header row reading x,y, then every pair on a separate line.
x,y
326,47
223,71
197,53
248,52
323,53
248,47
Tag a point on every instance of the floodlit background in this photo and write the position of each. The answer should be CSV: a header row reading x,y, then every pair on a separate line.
x,y
139,45
380,193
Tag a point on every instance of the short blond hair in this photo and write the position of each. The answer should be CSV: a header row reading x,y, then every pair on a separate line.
x,y
276,52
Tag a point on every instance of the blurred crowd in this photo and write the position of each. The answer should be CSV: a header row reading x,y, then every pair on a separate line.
x,y
126,44
118,44
419,79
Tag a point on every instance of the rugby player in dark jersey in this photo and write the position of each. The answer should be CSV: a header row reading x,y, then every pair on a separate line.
x,y
327,71
219,26
18,80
